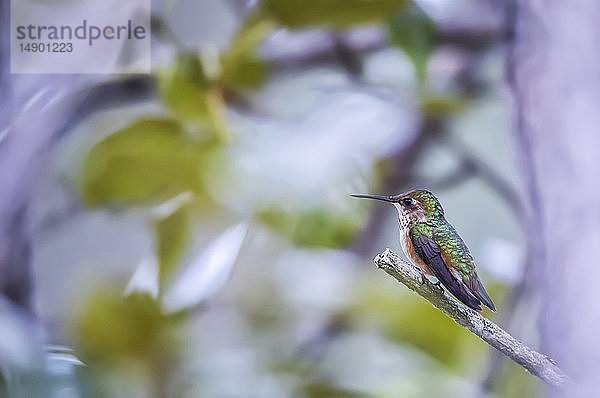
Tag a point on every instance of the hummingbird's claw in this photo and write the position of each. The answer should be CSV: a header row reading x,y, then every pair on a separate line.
x,y
437,284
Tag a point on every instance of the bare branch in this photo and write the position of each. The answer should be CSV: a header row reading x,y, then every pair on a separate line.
x,y
536,363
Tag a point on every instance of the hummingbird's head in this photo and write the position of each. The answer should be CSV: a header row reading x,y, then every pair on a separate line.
x,y
413,206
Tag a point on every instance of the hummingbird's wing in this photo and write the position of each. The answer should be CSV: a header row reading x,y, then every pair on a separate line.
x,y
458,259
431,254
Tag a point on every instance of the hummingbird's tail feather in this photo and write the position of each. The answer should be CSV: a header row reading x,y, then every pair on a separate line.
x,y
463,293
465,297
479,291
454,284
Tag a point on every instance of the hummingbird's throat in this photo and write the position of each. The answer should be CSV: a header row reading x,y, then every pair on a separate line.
x,y
407,218
403,217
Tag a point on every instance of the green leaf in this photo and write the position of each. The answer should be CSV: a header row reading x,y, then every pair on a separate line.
x,y
414,33
112,329
331,13
240,66
172,234
149,159
193,98
245,73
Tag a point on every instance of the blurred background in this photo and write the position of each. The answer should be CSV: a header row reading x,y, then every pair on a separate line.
x,y
190,233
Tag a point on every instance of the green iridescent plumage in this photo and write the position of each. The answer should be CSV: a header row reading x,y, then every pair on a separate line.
x,y
432,206
452,247
434,245
446,248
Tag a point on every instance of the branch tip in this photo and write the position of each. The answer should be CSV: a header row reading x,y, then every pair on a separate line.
x,y
532,361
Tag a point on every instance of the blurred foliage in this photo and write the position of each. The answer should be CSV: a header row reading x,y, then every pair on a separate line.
x,y
154,159
194,88
127,343
172,234
414,321
436,106
322,390
111,329
332,13
193,97
516,382
150,158
312,228
415,34
240,65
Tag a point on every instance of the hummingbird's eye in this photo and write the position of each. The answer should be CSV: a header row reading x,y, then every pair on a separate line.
x,y
408,202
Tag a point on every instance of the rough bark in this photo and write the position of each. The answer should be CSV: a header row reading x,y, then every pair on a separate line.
x,y
536,363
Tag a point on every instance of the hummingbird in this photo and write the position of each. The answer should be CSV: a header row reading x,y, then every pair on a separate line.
x,y
433,245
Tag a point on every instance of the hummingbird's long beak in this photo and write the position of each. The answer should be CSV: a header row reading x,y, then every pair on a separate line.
x,y
388,198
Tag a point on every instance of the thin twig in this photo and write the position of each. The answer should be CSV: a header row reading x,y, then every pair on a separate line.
x,y
536,363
